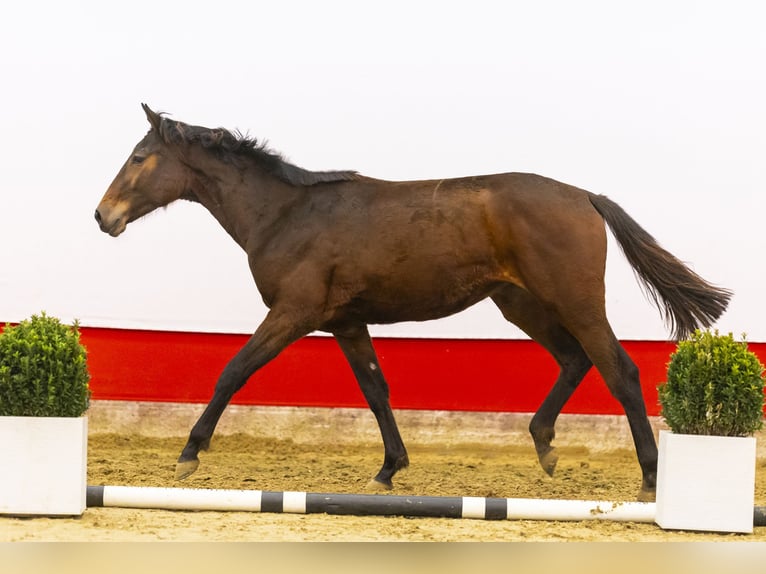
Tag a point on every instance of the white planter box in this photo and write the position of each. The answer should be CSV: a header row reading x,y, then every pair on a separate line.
x,y
705,482
44,465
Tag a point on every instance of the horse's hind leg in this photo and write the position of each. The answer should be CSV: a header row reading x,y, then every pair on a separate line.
x,y
621,376
589,325
357,347
524,310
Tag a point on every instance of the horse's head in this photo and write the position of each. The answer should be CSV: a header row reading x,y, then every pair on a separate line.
x,y
152,177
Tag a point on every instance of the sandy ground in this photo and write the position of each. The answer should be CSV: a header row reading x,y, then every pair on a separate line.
x,y
243,461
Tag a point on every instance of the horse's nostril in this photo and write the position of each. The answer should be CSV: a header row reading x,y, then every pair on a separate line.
x,y
98,217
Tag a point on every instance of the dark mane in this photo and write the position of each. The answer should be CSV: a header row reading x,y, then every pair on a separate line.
x,y
233,147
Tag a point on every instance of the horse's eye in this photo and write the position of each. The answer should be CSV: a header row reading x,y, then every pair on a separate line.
x,y
137,159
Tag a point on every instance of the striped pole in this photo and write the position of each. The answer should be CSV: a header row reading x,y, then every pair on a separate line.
x,y
376,504
366,504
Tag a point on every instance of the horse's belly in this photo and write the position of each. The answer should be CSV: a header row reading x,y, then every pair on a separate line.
x,y
415,305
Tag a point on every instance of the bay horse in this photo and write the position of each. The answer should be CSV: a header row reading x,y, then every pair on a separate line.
x,y
335,251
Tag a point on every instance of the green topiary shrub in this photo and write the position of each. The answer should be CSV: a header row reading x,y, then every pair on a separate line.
x,y
43,371
714,387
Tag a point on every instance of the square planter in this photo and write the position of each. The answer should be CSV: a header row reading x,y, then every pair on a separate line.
x,y
44,464
705,482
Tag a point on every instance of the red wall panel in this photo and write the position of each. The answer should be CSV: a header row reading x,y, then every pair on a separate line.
x,y
432,374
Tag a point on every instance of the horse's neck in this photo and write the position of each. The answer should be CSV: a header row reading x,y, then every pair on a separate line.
x,y
244,203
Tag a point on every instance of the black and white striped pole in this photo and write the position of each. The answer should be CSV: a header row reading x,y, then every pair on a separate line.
x,y
376,504
366,504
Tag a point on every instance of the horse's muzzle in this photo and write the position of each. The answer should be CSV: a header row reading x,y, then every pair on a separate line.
x,y
113,228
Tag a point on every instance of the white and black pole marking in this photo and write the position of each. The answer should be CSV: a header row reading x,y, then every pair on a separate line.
x,y
367,504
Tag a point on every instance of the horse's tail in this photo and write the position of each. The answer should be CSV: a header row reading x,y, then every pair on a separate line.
x,y
685,300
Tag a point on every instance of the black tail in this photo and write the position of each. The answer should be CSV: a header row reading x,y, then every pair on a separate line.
x,y
685,299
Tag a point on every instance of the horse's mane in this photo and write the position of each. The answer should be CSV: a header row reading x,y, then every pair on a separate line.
x,y
233,147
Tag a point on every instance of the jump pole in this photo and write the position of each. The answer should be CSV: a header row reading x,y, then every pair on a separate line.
x,y
292,502
366,504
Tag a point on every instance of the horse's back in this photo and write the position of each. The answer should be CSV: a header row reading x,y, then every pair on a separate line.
x,y
485,219
526,194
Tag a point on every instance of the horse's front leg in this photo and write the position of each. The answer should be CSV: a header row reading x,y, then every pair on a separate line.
x,y
357,347
275,333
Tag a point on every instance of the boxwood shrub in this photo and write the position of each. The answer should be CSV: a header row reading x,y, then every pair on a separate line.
x,y
43,369
714,387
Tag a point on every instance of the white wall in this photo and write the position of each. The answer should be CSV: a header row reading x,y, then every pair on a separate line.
x,y
659,105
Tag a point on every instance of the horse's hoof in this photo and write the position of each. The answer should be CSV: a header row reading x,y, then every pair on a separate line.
x,y
376,485
186,468
646,495
549,460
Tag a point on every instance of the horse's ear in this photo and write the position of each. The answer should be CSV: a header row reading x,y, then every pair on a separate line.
x,y
154,118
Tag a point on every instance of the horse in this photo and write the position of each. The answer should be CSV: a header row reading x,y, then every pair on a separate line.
x,y
336,251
